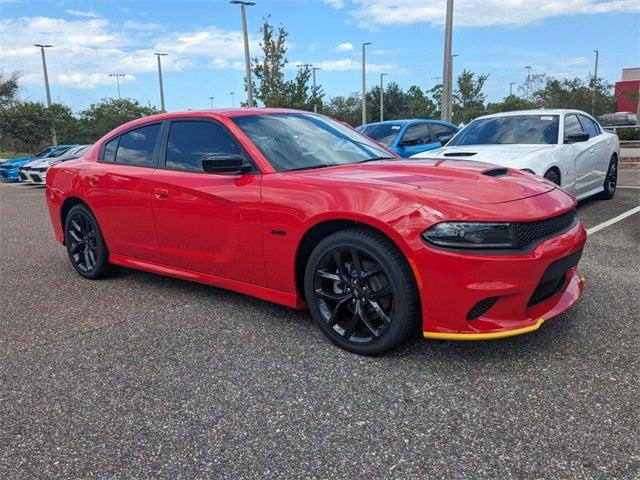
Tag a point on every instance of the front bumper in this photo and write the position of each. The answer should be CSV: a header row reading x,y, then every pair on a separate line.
x,y
10,174
521,295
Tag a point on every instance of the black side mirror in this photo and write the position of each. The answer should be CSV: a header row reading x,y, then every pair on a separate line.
x,y
444,139
224,164
576,137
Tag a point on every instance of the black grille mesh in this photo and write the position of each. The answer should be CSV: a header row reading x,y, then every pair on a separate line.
x,y
481,307
547,290
529,232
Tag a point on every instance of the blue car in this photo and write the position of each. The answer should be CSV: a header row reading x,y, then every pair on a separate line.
x,y
10,170
408,137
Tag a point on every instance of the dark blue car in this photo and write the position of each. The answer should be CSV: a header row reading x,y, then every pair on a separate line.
x,y
408,137
10,170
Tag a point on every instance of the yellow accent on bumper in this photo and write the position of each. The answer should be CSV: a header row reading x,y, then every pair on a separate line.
x,y
484,336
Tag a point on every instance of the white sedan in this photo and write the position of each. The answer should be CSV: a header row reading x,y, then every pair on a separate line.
x,y
567,147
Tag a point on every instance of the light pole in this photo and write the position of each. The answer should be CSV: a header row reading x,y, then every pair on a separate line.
x,y
211,101
117,75
162,109
54,137
595,84
364,84
447,70
511,88
233,99
528,69
315,100
247,60
382,75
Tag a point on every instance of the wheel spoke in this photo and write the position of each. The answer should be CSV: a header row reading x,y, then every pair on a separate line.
x,y
334,318
381,293
75,236
92,257
75,247
339,261
328,275
86,258
380,312
350,327
367,323
372,271
334,297
356,264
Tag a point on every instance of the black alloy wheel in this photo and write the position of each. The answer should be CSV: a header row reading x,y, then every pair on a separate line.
x,y
552,176
85,244
361,291
611,180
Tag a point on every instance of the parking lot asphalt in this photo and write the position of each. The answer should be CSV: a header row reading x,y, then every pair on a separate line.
x,y
143,376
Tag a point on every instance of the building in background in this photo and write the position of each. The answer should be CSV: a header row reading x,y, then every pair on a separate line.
x,y
627,90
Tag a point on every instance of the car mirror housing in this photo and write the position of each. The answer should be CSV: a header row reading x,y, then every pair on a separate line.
x,y
576,137
444,140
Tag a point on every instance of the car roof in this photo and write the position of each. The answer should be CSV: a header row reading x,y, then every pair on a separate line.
x,y
407,121
537,111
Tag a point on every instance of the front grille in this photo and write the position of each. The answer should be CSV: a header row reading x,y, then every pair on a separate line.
x,y
546,290
481,307
530,232
36,178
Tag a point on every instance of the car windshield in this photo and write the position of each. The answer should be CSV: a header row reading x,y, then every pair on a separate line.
x,y
510,129
44,152
384,133
59,152
296,141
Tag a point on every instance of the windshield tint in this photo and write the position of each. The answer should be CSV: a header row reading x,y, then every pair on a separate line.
x,y
510,129
384,133
295,141
44,152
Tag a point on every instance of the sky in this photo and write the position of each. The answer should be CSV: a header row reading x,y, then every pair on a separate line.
x,y
203,39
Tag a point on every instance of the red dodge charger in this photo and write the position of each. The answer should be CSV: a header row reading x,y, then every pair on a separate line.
x,y
299,209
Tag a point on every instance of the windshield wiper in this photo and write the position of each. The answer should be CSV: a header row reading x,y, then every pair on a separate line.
x,y
313,167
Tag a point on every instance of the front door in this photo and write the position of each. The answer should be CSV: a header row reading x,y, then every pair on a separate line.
x,y
580,152
207,222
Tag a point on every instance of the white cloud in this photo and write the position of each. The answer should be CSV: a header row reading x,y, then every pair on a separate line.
x,y
79,13
337,4
133,25
86,50
372,13
344,47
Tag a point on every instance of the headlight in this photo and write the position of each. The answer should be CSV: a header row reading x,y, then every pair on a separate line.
x,y
472,235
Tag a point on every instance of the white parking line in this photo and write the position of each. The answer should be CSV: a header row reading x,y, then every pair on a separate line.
x,y
628,186
608,223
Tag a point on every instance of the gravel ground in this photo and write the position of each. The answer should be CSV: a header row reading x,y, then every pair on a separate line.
x,y
139,376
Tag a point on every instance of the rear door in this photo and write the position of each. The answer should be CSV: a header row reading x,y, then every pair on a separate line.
x,y
600,154
119,192
207,222
580,152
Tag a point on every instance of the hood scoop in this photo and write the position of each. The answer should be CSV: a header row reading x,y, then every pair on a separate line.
x,y
459,154
496,172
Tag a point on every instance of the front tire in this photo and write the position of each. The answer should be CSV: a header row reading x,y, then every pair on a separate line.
x,y
85,244
552,176
361,292
611,180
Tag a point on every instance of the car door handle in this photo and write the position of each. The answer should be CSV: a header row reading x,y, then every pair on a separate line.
x,y
94,180
161,193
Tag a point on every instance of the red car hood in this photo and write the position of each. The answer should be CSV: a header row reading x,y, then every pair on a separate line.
x,y
454,180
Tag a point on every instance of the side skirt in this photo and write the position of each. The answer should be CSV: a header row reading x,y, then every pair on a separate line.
x,y
590,193
258,291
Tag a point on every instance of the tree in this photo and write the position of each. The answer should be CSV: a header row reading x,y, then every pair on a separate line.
x,y
510,104
8,87
395,103
26,125
419,105
272,89
576,93
346,109
109,113
468,98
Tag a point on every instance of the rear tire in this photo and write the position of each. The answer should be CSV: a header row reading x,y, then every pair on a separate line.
x,y
85,244
361,292
611,180
552,176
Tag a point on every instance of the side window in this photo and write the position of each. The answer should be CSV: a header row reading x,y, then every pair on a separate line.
x,y
571,125
136,147
589,126
439,131
191,142
109,153
416,134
